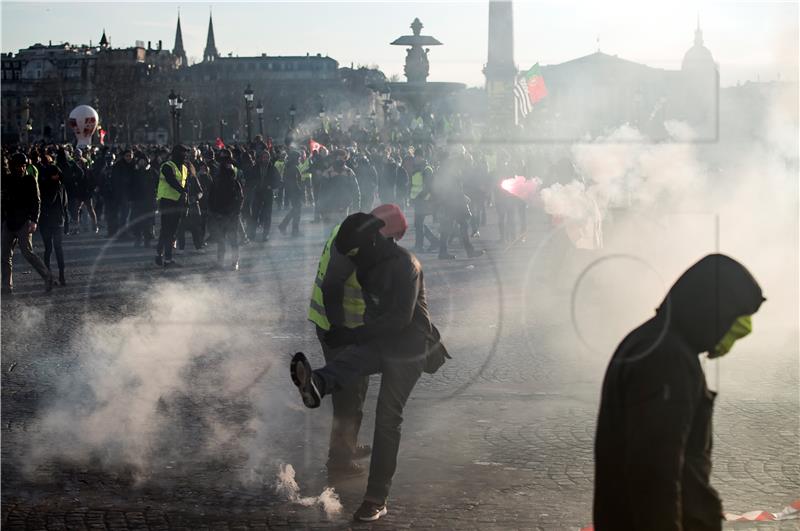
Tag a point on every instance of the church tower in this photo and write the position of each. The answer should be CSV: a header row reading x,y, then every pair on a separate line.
x,y
210,53
178,50
500,70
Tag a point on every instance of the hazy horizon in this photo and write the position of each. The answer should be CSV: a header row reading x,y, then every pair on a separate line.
x,y
749,40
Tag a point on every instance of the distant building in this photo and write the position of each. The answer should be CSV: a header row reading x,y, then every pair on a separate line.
x,y
129,88
593,95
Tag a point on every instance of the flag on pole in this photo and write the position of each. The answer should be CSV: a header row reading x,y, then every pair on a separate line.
x,y
535,83
530,88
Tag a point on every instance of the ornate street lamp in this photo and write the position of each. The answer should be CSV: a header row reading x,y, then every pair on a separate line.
x,y
173,102
248,103
222,124
178,109
292,112
260,113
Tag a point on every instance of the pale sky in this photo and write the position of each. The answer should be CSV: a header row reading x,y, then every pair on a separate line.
x,y
750,40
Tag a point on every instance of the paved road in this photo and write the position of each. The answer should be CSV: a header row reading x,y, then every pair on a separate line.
x,y
142,398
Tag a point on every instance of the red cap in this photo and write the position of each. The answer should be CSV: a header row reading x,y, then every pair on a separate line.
x,y
395,222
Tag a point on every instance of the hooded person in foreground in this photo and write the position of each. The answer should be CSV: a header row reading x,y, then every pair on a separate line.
x,y
653,443
396,340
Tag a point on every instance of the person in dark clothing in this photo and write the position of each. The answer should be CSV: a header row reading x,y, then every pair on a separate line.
x,y
192,220
293,191
653,442
171,195
261,197
142,194
367,179
54,217
79,188
394,341
453,206
117,207
225,206
205,180
20,207
339,193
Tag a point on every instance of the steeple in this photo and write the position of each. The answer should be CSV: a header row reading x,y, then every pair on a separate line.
x,y
104,40
178,48
698,33
210,53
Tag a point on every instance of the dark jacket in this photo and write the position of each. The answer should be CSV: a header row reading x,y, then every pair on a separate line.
x,y
54,203
396,316
339,192
653,443
225,197
122,174
20,201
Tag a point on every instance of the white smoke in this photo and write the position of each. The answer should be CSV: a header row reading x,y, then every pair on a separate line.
x,y
286,486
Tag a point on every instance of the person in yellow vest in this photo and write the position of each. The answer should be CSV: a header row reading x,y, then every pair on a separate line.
x,y
171,196
337,301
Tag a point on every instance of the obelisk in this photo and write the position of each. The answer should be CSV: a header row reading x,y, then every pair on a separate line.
x,y
500,70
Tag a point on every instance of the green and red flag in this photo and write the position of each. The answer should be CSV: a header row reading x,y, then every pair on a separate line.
x,y
535,83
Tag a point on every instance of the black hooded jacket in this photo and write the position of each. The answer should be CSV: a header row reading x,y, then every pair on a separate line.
x,y
653,443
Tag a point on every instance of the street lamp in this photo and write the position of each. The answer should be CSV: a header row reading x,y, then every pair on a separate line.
x,y
173,102
178,108
292,112
222,124
277,126
260,113
248,102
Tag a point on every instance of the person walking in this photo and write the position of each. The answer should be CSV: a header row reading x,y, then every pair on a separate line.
x,y
171,196
117,206
293,190
21,205
142,193
54,217
653,440
225,206
339,193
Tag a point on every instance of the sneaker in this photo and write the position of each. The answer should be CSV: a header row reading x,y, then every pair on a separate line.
x,y
362,451
61,280
345,471
159,260
303,378
370,511
475,254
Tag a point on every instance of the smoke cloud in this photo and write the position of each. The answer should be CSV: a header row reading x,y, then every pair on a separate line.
x,y
287,487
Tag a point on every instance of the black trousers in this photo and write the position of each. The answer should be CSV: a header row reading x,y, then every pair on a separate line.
x,y
171,213
227,231
53,238
422,209
293,215
348,410
25,240
458,226
260,215
399,374
142,220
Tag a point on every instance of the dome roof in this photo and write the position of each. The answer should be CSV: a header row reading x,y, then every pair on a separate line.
x,y
698,57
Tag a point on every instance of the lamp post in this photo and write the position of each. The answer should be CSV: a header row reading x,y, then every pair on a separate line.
x,y
173,102
63,132
178,108
322,117
248,102
292,112
277,126
260,113
222,124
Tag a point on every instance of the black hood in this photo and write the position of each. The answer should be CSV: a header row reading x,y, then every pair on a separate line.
x,y
706,300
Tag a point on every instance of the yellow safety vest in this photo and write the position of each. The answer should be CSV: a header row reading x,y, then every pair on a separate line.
x,y
303,168
417,184
353,302
279,165
166,191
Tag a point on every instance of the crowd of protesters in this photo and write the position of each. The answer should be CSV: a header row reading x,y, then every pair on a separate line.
x,y
232,193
